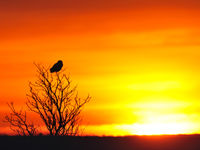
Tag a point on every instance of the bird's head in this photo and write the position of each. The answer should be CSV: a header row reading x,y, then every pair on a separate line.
x,y
60,62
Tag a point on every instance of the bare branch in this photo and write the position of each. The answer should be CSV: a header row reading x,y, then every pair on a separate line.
x,y
56,101
18,122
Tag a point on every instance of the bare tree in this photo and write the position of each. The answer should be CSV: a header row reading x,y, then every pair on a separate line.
x,y
56,101
18,122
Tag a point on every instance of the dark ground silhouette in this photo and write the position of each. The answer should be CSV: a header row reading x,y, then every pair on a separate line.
x,y
175,142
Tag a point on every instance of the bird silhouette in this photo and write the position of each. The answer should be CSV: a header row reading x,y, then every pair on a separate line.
x,y
57,66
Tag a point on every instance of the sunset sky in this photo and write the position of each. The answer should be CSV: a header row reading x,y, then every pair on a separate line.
x,y
138,59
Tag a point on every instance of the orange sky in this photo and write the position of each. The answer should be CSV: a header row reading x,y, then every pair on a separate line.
x,y
138,59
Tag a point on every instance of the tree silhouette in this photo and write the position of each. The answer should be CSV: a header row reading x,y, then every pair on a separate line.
x,y
18,122
55,100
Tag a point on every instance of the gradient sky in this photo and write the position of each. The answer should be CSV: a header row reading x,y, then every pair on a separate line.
x,y
138,59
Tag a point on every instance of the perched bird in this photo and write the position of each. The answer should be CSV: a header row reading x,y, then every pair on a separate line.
x,y
57,67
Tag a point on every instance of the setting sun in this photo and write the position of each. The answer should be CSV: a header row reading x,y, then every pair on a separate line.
x,y
161,128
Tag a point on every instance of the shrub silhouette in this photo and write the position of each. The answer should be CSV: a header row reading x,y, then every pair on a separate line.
x,y
18,122
55,100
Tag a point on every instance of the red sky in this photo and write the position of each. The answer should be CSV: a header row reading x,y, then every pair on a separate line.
x,y
138,59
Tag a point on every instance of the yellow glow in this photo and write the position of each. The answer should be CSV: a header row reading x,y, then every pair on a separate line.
x,y
143,129
160,128
155,86
139,63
